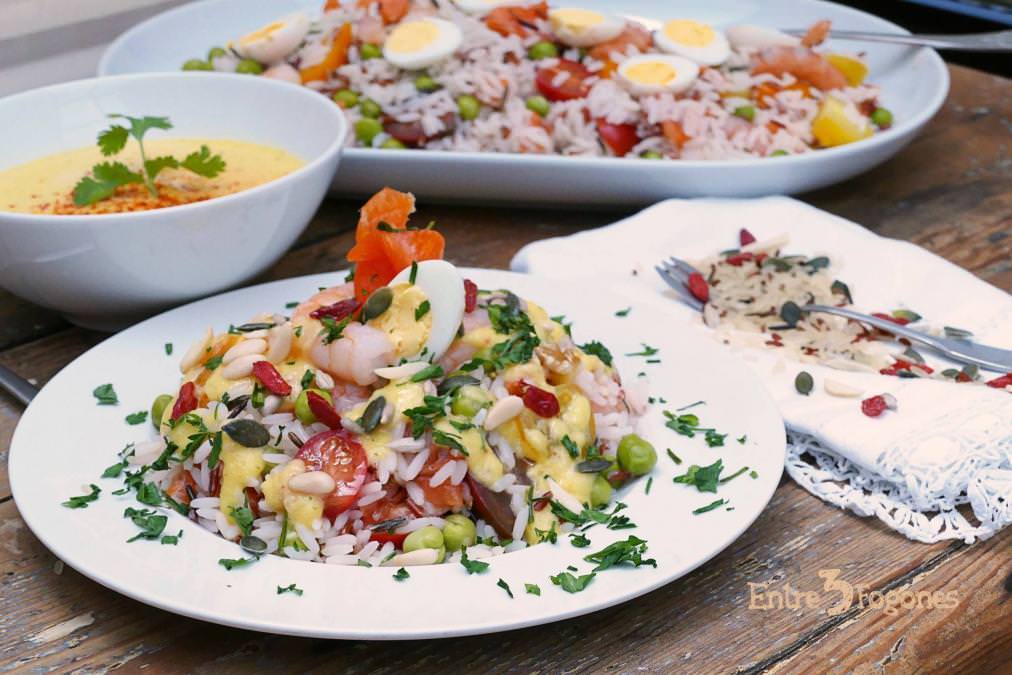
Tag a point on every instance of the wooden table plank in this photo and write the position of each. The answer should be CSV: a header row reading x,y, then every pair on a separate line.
x,y
948,191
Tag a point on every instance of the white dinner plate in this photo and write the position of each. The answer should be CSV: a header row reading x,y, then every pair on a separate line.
x,y
914,84
65,440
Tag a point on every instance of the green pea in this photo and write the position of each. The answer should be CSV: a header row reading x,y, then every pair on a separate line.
x,y
468,400
197,64
345,98
370,51
779,153
468,107
392,144
426,537
539,104
302,409
600,491
746,112
882,118
369,108
543,50
249,67
366,129
459,532
215,52
158,409
425,83
636,455
652,154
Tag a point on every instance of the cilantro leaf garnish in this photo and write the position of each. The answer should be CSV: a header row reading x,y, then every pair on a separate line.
x,y
290,588
152,524
171,539
472,566
597,349
105,177
630,551
506,587
572,584
105,395
401,574
82,501
532,589
705,478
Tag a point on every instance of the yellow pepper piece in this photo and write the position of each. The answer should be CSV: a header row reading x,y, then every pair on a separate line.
x,y
833,125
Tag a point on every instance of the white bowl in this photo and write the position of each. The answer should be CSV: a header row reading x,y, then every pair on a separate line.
x,y
105,271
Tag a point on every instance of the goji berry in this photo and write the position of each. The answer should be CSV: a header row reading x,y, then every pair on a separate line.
x,y
323,411
470,295
698,287
1001,382
338,310
271,378
185,401
745,237
874,406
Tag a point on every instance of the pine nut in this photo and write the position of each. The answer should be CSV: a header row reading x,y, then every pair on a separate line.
x,y
241,367
243,348
312,483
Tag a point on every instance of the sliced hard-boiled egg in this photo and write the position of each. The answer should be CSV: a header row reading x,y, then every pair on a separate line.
x,y
421,43
693,40
750,36
275,41
443,287
584,27
657,73
480,7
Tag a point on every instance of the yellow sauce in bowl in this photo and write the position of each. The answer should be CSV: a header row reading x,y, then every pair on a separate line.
x,y
46,185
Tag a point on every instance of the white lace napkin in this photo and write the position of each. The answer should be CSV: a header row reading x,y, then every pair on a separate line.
x,y
947,444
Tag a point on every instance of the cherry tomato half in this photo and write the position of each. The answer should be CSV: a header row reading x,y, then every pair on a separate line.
x,y
340,455
574,86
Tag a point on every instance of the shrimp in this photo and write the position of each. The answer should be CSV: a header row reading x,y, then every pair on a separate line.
x,y
802,63
353,356
817,34
633,34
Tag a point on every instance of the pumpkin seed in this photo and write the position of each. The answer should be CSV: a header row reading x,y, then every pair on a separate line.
x,y
453,383
907,315
237,405
791,313
250,327
816,264
971,370
377,303
913,355
803,383
593,465
252,544
957,333
247,433
840,288
781,264
373,414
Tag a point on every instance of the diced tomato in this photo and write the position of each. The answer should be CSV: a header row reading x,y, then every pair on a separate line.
x,y
383,537
620,138
271,378
323,410
1001,382
186,401
444,495
633,34
573,87
336,57
338,453
379,255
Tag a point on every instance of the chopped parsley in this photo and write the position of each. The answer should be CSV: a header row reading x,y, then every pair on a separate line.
x,y
428,373
168,349
401,575
332,330
532,589
114,471
506,587
630,551
472,566
705,478
688,425
579,540
424,416
597,349
307,379
213,362
243,518
235,563
650,483
741,439
623,312
171,539
674,458
148,493
151,523
448,440
647,351
136,418
82,501
422,310
290,588
570,583
212,459
710,507
413,274
105,394
734,475
550,535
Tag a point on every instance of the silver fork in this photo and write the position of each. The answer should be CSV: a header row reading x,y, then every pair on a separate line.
x,y
998,41
675,273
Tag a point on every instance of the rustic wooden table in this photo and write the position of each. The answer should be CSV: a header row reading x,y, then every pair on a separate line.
x,y
950,191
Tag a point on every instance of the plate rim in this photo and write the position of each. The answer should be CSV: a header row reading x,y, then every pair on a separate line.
x,y
212,615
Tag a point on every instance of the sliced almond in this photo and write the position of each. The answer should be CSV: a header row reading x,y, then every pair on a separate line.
x,y
244,348
503,411
421,556
560,495
834,388
402,371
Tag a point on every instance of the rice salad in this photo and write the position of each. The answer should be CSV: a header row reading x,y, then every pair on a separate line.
x,y
493,76
404,417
